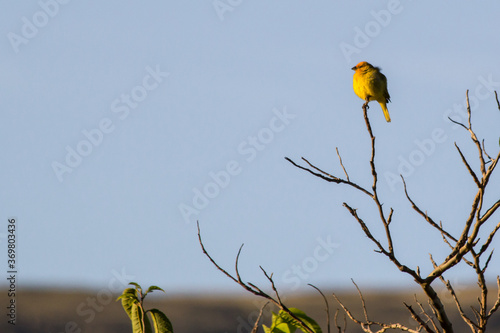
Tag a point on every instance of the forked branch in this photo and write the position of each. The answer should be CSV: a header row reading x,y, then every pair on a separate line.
x,y
366,324
250,287
460,246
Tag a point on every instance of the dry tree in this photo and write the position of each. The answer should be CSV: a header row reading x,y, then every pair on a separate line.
x,y
467,247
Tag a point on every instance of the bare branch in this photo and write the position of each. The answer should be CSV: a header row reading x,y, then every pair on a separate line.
x,y
425,215
372,159
419,320
327,307
366,325
487,262
213,261
270,278
251,287
236,265
341,164
429,318
474,177
474,137
389,219
326,176
366,229
492,167
476,313
466,319
362,301
464,243
495,306
437,307
329,177
484,151
459,246
340,329
458,123
346,310
490,211
256,325
323,172
444,236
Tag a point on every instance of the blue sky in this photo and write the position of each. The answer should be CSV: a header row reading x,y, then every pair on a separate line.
x,y
116,116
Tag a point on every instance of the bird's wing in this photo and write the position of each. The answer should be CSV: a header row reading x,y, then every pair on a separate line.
x,y
386,92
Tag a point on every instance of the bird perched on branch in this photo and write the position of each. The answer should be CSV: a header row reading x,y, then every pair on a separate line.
x,y
371,85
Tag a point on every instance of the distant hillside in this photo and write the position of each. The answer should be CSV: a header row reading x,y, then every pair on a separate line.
x,y
55,311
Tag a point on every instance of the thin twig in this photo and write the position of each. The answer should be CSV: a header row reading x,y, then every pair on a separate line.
x,y
417,318
490,211
256,325
212,260
341,164
496,306
474,137
365,312
340,329
429,318
496,97
327,309
425,215
484,150
366,325
458,123
472,173
326,176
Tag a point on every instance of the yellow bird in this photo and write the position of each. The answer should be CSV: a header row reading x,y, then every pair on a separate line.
x,y
371,85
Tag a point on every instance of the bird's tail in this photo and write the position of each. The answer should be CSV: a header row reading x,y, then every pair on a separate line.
x,y
386,112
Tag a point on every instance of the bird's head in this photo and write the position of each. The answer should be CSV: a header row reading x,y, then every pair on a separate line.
x,y
362,66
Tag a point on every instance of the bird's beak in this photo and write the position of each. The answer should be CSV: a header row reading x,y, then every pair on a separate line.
x,y
354,68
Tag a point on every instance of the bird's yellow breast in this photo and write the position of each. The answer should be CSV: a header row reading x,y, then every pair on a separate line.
x,y
368,83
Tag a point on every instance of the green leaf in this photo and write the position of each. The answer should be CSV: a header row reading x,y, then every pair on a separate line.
x,y
140,323
136,317
137,286
129,297
150,289
310,323
129,292
285,323
161,323
278,325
